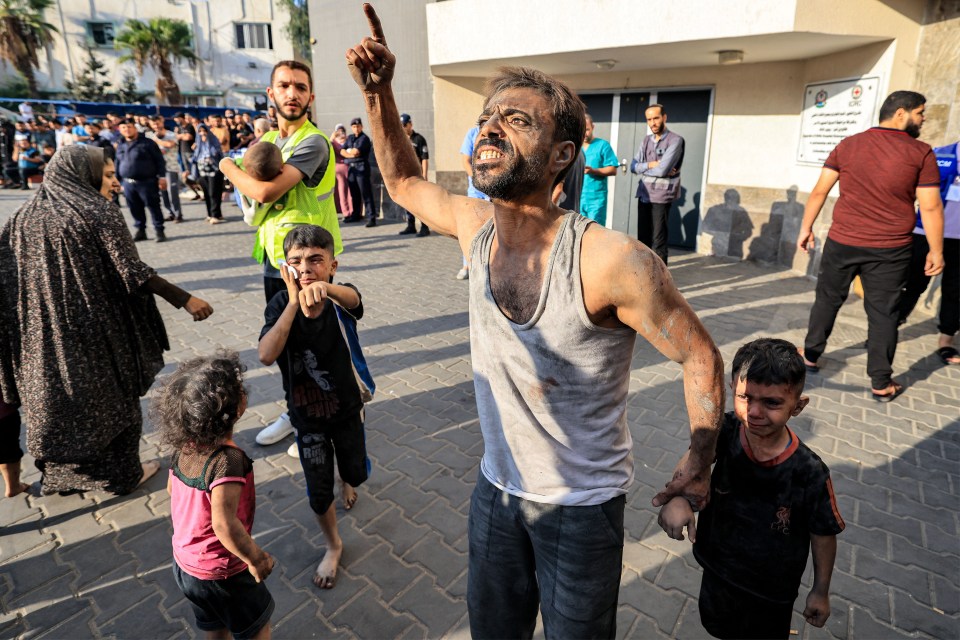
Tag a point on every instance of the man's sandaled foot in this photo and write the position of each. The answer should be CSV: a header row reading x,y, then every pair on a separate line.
x,y
888,394
349,495
325,576
949,355
149,470
810,366
15,491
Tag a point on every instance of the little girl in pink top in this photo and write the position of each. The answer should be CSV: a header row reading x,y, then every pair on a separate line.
x,y
217,565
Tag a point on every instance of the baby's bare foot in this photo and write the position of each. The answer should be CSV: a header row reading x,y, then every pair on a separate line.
x,y
326,575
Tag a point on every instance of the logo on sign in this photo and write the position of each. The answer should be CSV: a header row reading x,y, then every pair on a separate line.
x,y
821,99
856,92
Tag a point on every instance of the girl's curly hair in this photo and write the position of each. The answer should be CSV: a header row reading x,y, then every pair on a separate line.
x,y
198,404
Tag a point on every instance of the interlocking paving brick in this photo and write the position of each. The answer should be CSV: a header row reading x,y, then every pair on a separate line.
x,y
444,563
145,615
905,553
31,575
896,467
369,617
865,626
871,595
682,574
405,495
916,616
431,606
658,604
439,517
387,571
870,567
456,491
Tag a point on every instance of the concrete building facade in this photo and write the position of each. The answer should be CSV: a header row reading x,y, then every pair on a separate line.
x,y
237,41
763,90
337,26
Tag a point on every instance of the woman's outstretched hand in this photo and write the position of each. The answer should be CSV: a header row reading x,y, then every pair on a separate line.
x,y
199,309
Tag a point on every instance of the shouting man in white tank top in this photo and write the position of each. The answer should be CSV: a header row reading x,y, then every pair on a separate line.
x,y
551,341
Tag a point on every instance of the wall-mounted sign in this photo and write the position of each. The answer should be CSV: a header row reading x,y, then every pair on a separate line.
x,y
831,112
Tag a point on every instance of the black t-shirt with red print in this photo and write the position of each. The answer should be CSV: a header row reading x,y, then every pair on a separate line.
x,y
755,532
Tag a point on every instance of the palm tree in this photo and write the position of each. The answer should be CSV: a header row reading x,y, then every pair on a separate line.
x,y
23,32
159,43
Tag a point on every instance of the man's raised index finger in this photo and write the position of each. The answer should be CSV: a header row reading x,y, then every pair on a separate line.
x,y
376,29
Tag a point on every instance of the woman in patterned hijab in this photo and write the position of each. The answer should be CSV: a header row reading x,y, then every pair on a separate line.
x,y
81,338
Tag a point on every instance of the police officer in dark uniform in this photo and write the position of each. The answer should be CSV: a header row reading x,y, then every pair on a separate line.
x,y
142,171
356,155
423,155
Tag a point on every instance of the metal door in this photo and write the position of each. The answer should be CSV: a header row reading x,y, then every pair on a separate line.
x,y
687,115
631,129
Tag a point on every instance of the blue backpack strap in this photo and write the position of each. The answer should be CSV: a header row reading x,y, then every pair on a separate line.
x,y
348,326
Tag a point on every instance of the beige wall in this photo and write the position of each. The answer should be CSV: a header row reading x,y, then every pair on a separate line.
x,y
756,119
938,72
457,103
756,102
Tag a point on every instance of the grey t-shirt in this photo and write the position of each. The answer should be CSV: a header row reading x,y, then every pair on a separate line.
x,y
310,157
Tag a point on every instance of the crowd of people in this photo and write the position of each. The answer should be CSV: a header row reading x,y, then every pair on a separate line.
x,y
546,523
190,150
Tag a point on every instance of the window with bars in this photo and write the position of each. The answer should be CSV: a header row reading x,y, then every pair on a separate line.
x,y
254,35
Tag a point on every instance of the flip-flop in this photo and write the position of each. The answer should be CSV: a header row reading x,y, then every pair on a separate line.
x,y
889,397
946,353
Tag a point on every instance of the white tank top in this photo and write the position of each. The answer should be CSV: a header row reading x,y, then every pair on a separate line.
x,y
551,393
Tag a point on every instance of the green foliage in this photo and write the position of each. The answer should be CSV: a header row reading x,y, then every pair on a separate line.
x,y
128,92
91,84
159,44
298,28
23,33
15,86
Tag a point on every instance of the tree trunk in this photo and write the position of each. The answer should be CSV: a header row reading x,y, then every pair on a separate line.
x,y
25,67
171,90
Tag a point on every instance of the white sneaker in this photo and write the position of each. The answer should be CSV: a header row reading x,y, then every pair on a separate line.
x,y
463,274
293,452
280,429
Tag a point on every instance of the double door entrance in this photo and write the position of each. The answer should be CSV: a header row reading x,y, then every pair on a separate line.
x,y
619,118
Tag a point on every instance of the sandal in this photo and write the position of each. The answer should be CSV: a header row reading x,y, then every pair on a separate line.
x,y
810,367
889,397
947,354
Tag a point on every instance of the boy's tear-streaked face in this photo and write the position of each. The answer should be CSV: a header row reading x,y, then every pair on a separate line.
x,y
765,409
312,263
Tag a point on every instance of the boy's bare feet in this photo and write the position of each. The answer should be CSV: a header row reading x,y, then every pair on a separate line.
x,y
326,575
149,470
349,495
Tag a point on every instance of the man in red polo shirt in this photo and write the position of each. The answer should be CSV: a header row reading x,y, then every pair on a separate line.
x,y
882,172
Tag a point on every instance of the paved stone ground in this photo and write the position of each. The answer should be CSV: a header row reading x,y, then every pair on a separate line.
x,y
93,565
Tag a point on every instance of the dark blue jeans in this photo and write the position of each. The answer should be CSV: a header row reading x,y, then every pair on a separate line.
x,y
141,196
524,555
361,191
